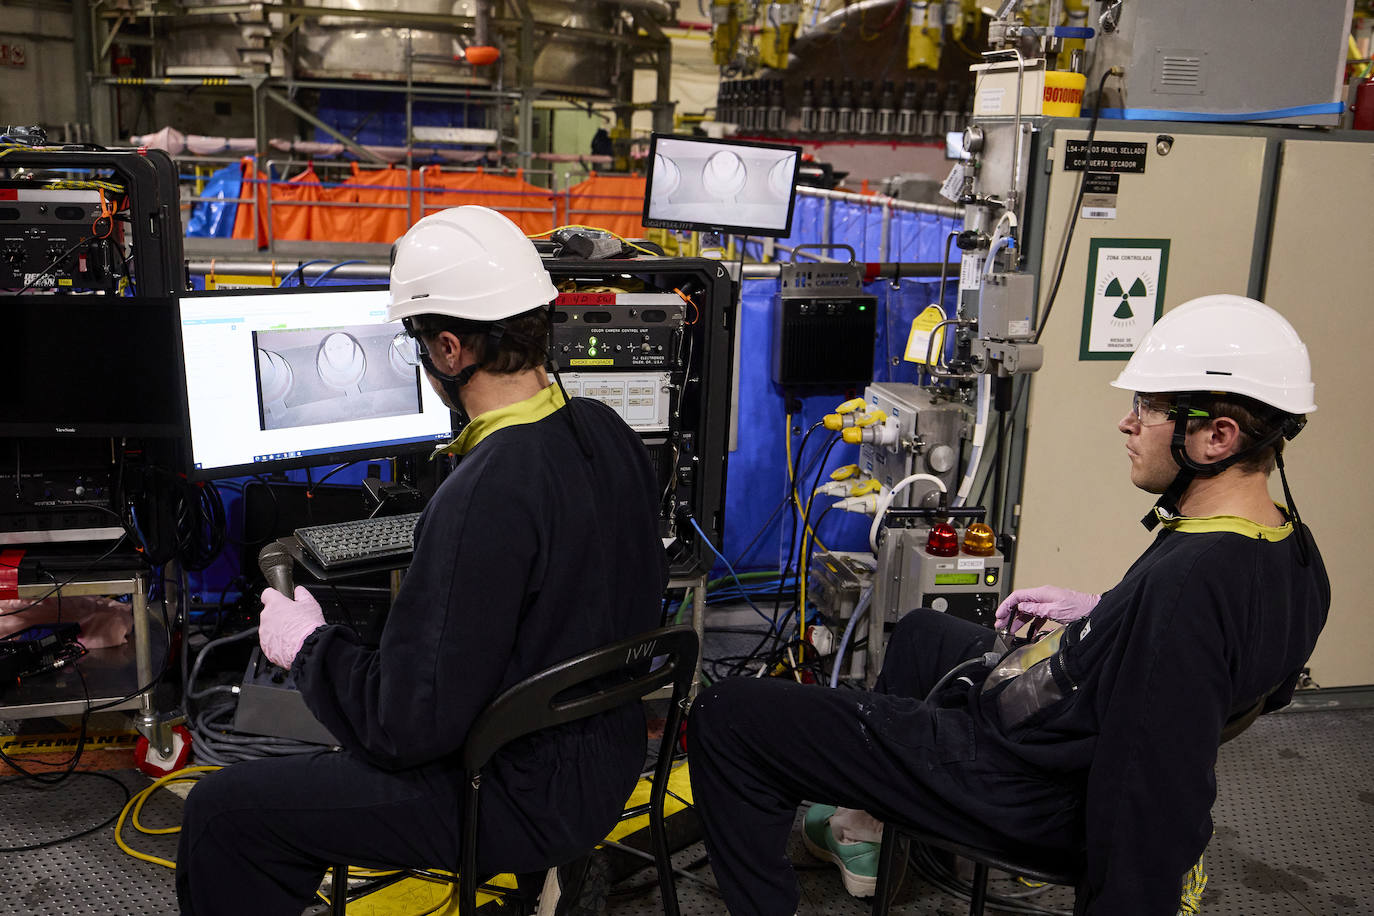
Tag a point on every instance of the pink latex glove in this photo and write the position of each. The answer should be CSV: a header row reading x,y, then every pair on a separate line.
x,y
1048,602
285,624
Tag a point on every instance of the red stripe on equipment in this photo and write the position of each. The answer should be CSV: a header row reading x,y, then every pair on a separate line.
x,y
585,299
9,571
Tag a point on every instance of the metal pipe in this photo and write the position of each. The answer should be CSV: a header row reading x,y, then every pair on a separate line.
x,y
81,60
884,270
361,152
884,235
481,28
872,199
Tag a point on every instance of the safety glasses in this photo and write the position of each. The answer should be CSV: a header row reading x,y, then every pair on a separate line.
x,y
408,349
1150,411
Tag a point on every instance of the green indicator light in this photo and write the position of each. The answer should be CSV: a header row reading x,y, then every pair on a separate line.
x,y
863,308
591,340
591,351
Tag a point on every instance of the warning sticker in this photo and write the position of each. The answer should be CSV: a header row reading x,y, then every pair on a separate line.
x,y
1108,156
1101,183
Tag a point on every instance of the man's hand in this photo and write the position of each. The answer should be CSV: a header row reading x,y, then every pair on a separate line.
x,y
1049,602
285,624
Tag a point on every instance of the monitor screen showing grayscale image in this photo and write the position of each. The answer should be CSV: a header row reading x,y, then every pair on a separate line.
x,y
294,378
308,376
735,186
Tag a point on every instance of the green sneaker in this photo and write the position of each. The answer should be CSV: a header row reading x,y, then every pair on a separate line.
x,y
857,862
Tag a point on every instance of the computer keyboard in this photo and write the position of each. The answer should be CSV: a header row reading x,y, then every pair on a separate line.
x,y
352,543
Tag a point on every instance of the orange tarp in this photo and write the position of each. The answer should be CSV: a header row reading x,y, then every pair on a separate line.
x,y
613,202
329,223
380,186
530,207
255,186
292,217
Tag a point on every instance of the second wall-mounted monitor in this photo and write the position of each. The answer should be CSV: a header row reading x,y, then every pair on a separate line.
x,y
283,379
734,186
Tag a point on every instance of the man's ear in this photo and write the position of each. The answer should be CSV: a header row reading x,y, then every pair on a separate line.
x,y
1223,439
446,351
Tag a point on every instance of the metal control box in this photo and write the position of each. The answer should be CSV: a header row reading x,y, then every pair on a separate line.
x,y
836,581
932,428
1269,59
825,326
617,330
909,576
47,241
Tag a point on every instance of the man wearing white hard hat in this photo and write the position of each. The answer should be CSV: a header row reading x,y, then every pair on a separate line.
x,y
1096,742
542,544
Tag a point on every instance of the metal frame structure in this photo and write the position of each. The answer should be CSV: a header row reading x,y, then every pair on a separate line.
x,y
97,28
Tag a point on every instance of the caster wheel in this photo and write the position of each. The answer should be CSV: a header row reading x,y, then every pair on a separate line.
x,y
148,759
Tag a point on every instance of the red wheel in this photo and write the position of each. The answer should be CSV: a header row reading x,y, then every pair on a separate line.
x,y
151,761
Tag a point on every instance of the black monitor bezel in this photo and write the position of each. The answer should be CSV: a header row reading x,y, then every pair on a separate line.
x,y
316,459
178,429
731,229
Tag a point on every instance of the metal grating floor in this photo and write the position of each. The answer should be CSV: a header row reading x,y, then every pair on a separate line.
x,y
1294,835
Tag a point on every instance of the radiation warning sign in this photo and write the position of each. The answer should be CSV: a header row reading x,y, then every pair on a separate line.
x,y
1124,295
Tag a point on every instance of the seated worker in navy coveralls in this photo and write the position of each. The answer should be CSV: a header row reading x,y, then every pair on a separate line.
x,y
542,544
1101,736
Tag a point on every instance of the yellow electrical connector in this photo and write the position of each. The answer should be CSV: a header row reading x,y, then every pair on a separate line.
x,y
846,472
851,405
871,417
958,14
1076,16
868,486
847,414
923,35
775,38
725,29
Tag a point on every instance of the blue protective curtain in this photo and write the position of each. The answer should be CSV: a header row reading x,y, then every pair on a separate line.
x,y
215,218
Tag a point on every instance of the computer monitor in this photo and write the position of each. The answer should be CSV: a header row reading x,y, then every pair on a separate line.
x,y
281,379
83,365
734,186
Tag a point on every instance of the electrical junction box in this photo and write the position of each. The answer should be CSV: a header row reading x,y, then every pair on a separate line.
x,y
835,581
47,241
909,576
825,326
1252,60
933,426
1006,306
618,330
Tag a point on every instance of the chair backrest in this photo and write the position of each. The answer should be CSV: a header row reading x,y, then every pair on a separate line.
x,y
572,690
551,697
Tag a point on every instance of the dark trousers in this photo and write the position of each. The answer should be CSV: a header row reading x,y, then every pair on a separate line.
x,y
256,837
759,747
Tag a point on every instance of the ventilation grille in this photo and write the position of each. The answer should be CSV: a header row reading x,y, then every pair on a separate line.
x,y
1179,71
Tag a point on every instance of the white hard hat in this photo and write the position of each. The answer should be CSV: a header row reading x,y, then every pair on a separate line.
x,y
1224,343
467,262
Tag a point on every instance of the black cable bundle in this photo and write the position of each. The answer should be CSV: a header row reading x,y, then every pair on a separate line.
x,y
169,517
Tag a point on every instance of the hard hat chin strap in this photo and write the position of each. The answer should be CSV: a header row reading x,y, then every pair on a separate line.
x,y
1189,470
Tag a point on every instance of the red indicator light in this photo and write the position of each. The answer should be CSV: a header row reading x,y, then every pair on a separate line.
x,y
943,541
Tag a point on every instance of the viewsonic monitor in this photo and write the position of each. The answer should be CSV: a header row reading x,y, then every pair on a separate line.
x,y
80,365
282,379
734,186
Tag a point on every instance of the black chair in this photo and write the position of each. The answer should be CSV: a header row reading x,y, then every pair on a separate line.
x,y
571,690
1026,863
